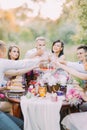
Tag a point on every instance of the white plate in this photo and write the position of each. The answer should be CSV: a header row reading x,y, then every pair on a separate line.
x,y
16,90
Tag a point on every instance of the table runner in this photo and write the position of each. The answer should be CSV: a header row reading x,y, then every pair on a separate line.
x,y
41,113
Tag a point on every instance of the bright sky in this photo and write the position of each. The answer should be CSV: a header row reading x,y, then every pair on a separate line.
x,y
50,9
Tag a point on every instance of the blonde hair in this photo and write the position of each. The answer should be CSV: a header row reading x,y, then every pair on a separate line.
x,y
40,39
2,46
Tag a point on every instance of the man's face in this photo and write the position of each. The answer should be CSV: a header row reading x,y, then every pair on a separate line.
x,y
81,54
40,44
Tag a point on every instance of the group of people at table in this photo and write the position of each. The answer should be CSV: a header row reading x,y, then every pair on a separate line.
x,y
13,67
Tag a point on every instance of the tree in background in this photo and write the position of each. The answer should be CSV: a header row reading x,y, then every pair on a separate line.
x,y
16,25
77,12
82,18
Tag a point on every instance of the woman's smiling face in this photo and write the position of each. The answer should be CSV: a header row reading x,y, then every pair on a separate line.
x,y
57,47
14,53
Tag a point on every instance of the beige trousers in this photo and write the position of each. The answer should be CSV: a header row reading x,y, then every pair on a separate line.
x,y
6,106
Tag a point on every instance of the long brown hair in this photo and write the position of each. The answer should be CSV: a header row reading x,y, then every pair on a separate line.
x,y
10,49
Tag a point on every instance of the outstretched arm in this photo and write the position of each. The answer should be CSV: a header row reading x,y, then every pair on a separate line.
x,y
73,72
19,71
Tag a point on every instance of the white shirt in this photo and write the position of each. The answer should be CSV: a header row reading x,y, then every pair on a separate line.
x,y
75,121
6,64
34,51
30,52
78,66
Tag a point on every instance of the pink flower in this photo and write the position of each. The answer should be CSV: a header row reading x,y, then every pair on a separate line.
x,y
71,91
73,97
56,75
2,95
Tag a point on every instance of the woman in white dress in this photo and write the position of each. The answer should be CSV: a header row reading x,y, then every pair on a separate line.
x,y
6,64
10,122
14,54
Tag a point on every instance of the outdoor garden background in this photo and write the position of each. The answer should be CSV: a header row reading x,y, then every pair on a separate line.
x,y
20,26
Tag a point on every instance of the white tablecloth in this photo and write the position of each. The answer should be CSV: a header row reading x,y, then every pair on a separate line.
x,y
76,121
41,113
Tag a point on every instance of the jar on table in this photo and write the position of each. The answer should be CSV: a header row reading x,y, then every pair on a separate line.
x,y
42,91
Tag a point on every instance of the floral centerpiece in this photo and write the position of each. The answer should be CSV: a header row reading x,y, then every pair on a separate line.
x,y
53,80
73,97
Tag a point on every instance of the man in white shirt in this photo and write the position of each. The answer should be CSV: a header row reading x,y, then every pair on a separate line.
x,y
39,50
77,121
81,50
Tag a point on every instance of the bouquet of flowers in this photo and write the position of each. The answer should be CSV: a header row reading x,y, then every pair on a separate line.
x,y
53,80
73,97
47,78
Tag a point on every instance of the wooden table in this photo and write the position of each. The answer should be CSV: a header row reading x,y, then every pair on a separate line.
x,y
16,109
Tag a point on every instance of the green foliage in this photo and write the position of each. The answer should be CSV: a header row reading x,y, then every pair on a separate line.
x,y
76,10
1,33
13,37
26,35
81,9
79,81
82,13
66,32
71,27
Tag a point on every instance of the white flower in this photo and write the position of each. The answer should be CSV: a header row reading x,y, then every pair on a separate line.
x,y
62,79
52,79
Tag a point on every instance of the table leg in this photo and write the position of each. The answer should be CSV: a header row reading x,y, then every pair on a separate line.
x,y
16,110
